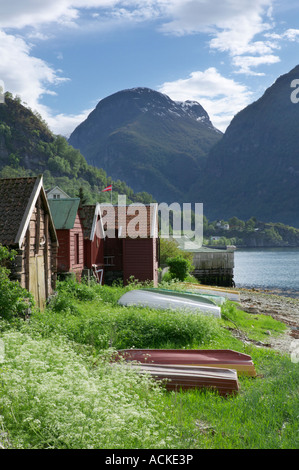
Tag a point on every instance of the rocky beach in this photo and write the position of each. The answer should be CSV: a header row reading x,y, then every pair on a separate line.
x,y
282,306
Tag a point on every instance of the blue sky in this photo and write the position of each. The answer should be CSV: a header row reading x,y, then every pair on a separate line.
x,y
63,56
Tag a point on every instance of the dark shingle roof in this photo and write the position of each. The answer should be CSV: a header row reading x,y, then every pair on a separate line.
x,y
87,214
15,194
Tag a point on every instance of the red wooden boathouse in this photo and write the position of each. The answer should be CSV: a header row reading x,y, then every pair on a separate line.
x,y
69,229
131,242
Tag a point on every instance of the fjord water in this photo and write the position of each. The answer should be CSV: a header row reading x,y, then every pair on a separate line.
x,y
268,268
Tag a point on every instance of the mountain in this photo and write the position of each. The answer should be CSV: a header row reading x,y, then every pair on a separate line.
x,y
28,147
254,169
153,143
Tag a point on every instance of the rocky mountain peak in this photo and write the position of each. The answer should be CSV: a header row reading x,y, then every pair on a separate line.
x,y
149,139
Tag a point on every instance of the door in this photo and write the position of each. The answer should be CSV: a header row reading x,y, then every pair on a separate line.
x,y
37,284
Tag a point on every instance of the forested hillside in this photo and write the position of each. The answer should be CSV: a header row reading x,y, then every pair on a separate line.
x,y
28,147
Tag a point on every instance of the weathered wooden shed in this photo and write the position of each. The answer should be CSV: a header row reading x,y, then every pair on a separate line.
x,y
212,266
93,238
131,242
26,225
69,229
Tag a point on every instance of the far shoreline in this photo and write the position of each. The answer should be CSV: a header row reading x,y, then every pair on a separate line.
x,y
269,291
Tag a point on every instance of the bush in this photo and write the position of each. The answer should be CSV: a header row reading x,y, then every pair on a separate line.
x,y
170,249
179,267
14,299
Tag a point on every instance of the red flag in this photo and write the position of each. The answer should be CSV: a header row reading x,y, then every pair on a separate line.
x,y
109,188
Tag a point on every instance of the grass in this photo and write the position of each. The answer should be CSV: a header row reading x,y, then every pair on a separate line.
x,y
58,389
264,415
255,327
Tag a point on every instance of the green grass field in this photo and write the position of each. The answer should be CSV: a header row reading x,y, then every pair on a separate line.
x,y
58,389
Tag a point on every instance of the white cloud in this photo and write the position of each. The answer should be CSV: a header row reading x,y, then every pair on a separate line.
x,y
192,16
232,25
64,124
18,14
30,78
245,63
221,97
25,75
292,34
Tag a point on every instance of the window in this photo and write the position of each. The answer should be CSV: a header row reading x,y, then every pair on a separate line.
x,y
77,248
109,260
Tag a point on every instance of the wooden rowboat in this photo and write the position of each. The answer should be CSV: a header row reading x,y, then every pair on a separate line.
x,y
224,381
219,358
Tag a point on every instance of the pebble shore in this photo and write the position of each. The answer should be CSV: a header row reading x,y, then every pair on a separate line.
x,y
282,306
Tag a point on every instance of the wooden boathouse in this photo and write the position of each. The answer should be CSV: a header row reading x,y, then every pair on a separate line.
x,y
131,242
26,225
69,229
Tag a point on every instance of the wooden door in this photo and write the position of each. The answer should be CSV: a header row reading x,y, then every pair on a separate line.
x,y
37,285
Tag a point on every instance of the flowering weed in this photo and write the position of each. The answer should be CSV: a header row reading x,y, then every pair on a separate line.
x,y
50,397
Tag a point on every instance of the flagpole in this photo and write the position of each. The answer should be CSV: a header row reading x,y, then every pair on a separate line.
x,y
109,188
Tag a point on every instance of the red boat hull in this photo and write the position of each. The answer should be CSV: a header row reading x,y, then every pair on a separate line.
x,y
219,358
175,378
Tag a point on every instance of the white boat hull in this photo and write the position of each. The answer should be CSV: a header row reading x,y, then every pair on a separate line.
x,y
157,300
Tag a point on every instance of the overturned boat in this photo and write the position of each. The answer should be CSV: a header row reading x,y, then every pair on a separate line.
x,y
193,294
176,378
159,299
229,294
218,358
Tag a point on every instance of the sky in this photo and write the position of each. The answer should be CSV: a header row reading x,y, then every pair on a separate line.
x,y
61,57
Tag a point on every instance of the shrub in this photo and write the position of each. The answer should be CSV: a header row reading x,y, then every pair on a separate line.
x,y
170,249
179,267
14,299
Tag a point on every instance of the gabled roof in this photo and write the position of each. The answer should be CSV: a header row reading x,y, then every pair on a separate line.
x,y
140,217
18,197
64,212
57,189
89,215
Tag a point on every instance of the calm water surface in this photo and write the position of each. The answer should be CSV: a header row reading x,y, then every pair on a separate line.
x,y
267,268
